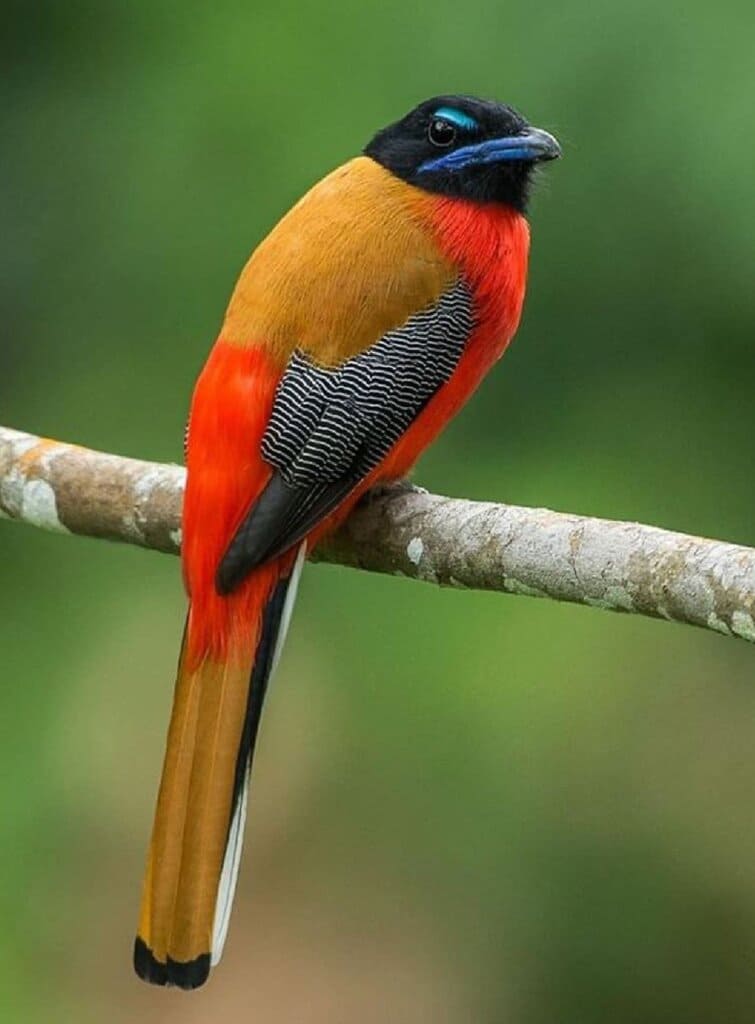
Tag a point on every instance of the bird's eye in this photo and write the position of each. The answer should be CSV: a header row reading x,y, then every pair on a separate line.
x,y
441,133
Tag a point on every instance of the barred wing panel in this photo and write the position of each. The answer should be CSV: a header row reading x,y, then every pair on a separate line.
x,y
331,426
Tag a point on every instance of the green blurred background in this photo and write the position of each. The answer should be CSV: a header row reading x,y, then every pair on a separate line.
x,y
466,807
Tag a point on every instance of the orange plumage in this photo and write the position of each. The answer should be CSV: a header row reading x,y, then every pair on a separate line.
x,y
360,257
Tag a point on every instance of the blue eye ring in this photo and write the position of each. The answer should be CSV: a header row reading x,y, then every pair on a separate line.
x,y
441,133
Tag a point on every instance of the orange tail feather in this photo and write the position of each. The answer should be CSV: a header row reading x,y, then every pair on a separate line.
x,y
196,839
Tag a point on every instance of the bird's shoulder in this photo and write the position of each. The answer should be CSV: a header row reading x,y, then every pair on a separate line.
x,y
353,259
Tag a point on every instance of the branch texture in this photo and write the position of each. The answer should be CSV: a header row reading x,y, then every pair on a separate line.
x,y
625,567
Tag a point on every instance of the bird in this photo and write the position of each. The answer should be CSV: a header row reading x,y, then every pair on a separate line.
x,y
357,329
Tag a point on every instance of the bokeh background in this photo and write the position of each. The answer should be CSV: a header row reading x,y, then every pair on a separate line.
x,y
466,807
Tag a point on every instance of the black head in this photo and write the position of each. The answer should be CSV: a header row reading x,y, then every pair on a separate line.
x,y
465,147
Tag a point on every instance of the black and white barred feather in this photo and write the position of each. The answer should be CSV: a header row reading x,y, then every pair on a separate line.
x,y
327,422
331,426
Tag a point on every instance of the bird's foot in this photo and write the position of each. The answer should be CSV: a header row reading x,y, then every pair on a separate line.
x,y
392,489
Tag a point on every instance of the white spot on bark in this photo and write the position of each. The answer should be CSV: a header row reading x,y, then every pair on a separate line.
x,y
130,526
38,506
718,624
414,550
146,483
23,444
743,625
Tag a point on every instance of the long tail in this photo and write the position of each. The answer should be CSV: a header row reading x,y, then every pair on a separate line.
x,y
197,836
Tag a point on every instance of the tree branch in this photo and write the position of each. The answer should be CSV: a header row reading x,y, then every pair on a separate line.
x,y
405,531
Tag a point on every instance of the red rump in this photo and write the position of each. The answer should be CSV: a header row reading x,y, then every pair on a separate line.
x,y
229,413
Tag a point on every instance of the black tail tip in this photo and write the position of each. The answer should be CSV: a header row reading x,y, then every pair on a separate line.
x,y
186,974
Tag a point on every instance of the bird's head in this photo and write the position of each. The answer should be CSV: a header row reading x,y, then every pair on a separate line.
x,y
465,147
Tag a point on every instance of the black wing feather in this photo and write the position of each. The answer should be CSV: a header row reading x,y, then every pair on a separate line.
x,y
277,521
330,427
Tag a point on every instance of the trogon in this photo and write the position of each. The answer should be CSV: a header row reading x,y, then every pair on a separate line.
x,y
358,328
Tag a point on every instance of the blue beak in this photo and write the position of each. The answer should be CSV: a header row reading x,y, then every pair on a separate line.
x,y
532,144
